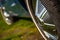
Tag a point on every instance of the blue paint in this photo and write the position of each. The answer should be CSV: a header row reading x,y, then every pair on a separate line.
x,y
19,7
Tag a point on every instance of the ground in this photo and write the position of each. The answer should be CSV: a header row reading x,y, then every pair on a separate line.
x,y
23,29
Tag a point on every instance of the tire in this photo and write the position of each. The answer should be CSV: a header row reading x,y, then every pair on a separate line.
x,y
37,23
10,19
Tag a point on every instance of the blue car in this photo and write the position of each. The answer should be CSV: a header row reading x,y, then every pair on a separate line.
x,y
10,8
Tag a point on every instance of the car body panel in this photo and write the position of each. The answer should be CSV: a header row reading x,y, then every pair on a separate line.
x,y
15,7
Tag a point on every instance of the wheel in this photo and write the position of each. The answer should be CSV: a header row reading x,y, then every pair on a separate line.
x,y
6,16
42,19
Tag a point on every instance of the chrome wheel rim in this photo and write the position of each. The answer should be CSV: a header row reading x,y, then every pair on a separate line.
x,y
6,17
43,32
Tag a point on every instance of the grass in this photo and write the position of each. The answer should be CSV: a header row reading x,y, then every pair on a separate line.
x,y
23,29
